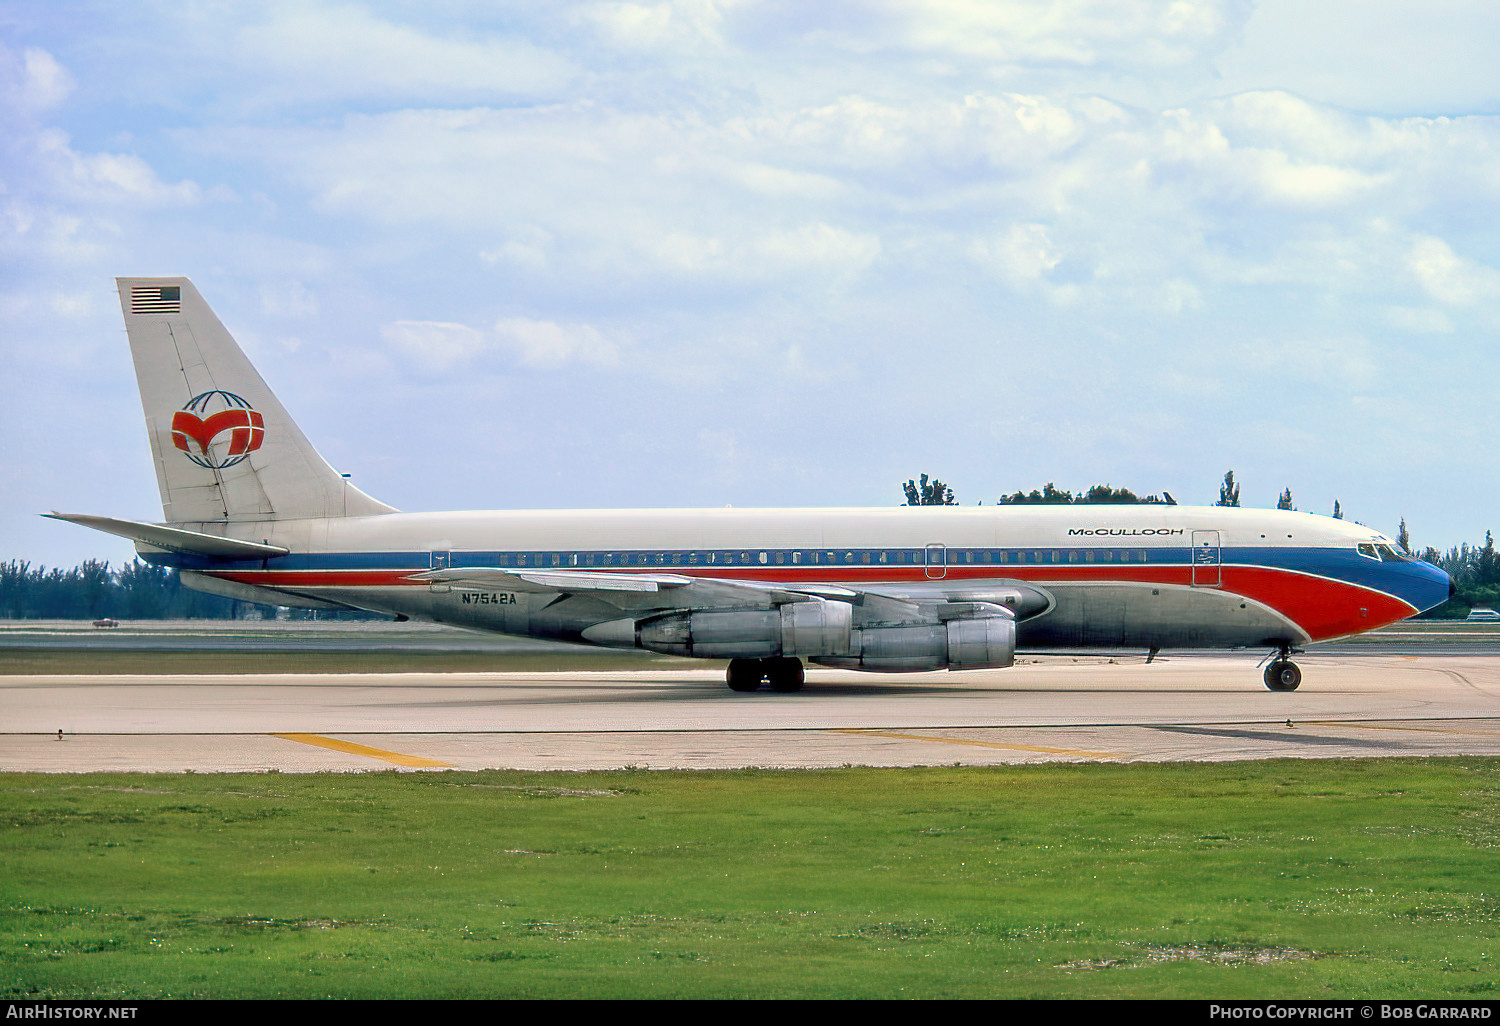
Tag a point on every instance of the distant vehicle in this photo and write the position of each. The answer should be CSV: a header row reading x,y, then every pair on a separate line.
x,y
253,512
1482,616
106,622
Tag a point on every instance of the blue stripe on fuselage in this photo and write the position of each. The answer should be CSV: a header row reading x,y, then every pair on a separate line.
x,y
1415,582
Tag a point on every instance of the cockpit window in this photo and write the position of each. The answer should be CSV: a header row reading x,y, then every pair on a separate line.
x,y
1368,549
1390,555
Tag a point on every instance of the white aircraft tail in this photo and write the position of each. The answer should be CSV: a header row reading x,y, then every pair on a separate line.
x,y
226,450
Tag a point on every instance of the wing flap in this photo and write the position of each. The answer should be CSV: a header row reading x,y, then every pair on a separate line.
x,y
504,579
501,579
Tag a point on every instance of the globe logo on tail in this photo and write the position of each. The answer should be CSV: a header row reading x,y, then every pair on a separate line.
x,y
217,429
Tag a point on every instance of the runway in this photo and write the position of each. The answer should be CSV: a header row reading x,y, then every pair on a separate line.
x,y
1209,708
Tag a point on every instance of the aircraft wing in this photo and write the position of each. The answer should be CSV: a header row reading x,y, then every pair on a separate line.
x,y
623,589
636,592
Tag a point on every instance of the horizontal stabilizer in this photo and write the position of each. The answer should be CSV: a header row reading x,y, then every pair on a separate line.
x,y
174,539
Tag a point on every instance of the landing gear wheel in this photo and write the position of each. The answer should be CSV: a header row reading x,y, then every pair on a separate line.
x,y
1283,675
745,674
786,674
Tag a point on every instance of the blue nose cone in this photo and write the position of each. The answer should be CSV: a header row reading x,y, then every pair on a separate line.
x,y
1424,585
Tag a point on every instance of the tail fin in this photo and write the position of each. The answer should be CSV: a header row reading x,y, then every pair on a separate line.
x,y
225,449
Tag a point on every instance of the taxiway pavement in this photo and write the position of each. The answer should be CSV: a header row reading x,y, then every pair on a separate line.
x,y
1085,709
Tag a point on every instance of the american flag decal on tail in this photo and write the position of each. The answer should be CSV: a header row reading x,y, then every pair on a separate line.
x,y
155,299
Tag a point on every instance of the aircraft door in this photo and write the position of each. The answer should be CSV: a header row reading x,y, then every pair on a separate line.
x,y
937,561
1206,559
441,561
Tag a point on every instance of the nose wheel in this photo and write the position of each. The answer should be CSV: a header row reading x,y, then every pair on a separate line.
x,y
1283,675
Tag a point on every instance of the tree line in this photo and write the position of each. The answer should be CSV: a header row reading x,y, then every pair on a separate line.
x,y
136,591
1476,576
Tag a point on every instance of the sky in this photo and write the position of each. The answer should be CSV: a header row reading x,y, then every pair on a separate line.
x,y
594,254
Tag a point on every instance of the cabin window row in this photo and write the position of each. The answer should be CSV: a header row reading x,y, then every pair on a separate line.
x,y
805,557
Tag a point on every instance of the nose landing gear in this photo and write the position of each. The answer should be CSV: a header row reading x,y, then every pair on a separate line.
x,y
1281,673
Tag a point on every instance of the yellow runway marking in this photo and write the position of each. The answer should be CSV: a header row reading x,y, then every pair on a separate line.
x,y
979,744
350,748
1420,730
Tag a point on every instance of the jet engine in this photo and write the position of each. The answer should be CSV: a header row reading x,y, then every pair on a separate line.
x,y
984,639
812,628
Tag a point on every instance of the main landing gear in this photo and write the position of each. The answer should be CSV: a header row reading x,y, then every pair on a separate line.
x,y
1281,673
784,673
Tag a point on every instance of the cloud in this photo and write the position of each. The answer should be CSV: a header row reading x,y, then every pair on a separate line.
x,y
1449,278
674,24
32,82
440,346
815,247
548,345
315,53
1347,361
724,209
1022,257
1078,33
1389,56
107,177
434,346
287,299
1265,174
1418,320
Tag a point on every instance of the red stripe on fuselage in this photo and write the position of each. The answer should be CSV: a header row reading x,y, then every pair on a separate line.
x,y
1323,608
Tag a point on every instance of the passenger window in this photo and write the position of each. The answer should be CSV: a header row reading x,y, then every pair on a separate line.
x,y
762,557
1056,556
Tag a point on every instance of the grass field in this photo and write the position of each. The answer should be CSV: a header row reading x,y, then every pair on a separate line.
x,y
1273,879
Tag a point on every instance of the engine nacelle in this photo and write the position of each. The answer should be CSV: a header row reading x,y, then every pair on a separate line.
x,y
813,628
988,643
971,644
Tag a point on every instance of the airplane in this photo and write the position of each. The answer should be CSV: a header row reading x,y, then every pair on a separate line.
x,y
251,511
